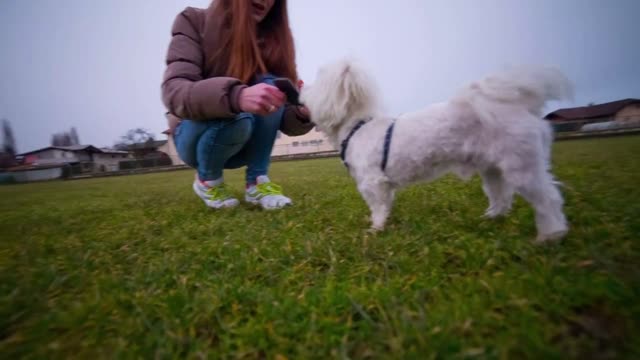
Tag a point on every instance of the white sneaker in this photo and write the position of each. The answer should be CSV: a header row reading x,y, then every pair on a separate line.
x,y
214,193
266,194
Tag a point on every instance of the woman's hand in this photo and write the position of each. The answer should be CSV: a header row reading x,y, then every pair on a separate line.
x,y
261,99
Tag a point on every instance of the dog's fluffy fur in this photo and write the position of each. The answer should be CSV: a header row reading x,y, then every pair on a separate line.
x,y
492,127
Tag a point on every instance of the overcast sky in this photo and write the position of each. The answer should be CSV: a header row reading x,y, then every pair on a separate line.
x,y
97,65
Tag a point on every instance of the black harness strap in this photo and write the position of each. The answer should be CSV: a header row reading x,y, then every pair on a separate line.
x,y
387,145
345,142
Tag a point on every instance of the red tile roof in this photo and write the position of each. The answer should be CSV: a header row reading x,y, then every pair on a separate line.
x,y
590,112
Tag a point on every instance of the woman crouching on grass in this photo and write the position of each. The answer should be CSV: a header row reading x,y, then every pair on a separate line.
x,y
224,112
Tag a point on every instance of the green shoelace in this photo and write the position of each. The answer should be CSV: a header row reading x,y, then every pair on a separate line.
x,y
268,188
220,192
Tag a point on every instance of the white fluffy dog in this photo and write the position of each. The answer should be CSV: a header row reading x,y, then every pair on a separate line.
x,y
492,127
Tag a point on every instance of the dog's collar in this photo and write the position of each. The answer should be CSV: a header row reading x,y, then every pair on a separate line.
x,y
387,144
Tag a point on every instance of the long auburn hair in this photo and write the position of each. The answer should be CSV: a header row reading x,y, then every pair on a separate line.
x,y
231,24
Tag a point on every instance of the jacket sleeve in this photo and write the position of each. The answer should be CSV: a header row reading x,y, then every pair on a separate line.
x,y
294,123
184,91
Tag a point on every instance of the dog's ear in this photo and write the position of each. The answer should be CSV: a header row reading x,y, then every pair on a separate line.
x,y
358,90
343,91
346,69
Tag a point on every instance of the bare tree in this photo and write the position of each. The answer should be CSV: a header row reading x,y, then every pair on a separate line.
x,y
65,138
8,140
134,136
138,140
75,140
8,150
61,139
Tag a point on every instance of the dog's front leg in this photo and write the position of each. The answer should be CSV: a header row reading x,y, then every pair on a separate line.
x,y
379,196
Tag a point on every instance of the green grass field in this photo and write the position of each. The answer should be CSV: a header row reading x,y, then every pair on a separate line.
x,y
137,267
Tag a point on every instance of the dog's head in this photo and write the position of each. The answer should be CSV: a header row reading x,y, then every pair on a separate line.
x,y
342,92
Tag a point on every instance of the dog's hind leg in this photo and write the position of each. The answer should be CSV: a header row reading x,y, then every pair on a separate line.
x,y
542,193
379,196
498,191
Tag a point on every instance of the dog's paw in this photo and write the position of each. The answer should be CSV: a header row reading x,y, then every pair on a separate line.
x,y
374,230
552,238
495,212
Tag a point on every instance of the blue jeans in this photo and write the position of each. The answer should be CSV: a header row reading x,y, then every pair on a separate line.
x,y
214,145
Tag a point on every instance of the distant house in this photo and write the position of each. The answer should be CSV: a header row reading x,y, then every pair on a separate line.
x,y
169,148
147,150
7,160
109,159
84,158
146,155
616,114
312,142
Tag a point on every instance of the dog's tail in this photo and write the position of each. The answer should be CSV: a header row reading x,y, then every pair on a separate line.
x,y
527,88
